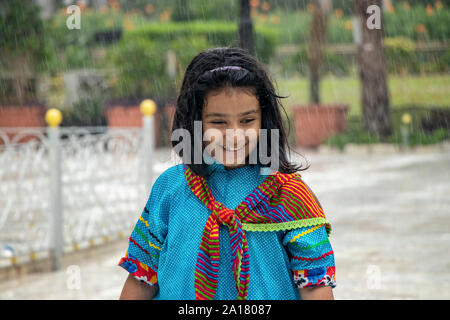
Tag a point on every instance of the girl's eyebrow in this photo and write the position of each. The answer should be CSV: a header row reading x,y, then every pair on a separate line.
x,y
215,114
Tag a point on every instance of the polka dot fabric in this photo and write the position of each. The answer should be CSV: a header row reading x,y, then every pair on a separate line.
x,y
168,243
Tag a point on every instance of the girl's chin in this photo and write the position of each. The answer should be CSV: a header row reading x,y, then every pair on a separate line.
x,y
238,162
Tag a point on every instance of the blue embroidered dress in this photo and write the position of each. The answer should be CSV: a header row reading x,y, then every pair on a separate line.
x,y
164,244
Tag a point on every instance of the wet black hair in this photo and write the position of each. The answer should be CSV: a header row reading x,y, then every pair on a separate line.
x,y
198,81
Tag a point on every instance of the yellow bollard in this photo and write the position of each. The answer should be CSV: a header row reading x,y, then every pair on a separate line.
x,y
148,107
406,121
406,118
33,256
53,117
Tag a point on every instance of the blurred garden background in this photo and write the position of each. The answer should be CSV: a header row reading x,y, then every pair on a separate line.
x,y
126,51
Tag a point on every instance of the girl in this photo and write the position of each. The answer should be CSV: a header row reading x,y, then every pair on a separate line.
x,y
225,227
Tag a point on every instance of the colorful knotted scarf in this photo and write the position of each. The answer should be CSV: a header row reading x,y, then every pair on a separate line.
x,y
281,202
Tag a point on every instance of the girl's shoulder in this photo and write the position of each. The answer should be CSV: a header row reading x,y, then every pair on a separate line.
x,y
171,179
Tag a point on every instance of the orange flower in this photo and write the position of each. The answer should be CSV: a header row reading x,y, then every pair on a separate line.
x,y
310,7
339,13
104,10
254,3
429,10
348,25
406,5
388,5
275,19
439,5
165,15
149,8
265,6
81,4
128,24
420,28
115,6
262,18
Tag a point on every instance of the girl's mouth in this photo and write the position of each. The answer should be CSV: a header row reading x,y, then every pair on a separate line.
x,y
233,149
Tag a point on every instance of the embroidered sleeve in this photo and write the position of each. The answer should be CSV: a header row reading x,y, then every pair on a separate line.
x,y
311,257
147,238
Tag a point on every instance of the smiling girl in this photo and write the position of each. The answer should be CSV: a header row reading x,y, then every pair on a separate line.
x,y
227,227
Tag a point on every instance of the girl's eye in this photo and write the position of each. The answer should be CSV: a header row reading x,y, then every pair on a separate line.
x,y
223,122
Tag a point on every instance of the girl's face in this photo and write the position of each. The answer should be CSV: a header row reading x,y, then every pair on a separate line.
x,y
235,109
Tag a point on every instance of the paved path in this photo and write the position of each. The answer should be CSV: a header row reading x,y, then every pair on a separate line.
x,y
390,214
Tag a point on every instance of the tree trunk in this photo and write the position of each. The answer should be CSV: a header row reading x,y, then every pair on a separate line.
x,y
372,72
317,43
246,27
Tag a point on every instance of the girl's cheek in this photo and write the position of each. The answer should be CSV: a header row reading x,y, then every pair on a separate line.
x,y
212,135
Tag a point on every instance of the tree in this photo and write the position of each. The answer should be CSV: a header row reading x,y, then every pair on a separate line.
x,y
317,43
372,70
246,40
25,49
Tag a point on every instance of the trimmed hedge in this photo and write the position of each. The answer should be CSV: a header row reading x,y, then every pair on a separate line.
x,y
334,64
217,33
414,23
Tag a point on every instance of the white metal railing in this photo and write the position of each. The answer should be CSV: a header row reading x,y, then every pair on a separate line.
x,y
63,189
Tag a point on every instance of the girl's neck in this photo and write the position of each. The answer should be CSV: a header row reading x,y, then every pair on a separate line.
x,y
235,167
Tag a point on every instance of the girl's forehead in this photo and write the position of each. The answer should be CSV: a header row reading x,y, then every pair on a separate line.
x,y
229,90
230,100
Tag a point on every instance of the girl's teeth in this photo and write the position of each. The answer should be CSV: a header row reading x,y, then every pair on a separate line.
x,y
233,149
229,149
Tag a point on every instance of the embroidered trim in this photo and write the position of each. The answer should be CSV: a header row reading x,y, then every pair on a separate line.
x,y
144,221
146,239
311,246
304,233
318,277
313,259
285,225
139,270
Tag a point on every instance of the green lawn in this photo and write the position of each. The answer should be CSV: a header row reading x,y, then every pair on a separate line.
x,y
422,90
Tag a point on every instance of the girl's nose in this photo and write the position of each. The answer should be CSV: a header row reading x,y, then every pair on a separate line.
x,y
235,137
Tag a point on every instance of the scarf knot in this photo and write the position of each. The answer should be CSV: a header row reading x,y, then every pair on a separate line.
x,y
223,214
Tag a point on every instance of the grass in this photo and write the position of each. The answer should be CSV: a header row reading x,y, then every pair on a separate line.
x,y
419,90
430,90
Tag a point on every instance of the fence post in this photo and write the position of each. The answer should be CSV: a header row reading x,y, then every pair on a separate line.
x,y
406,121
53,118
148,108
